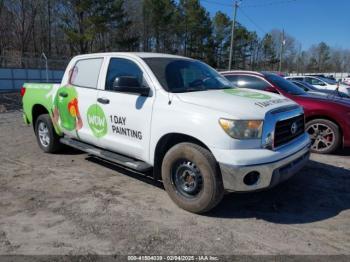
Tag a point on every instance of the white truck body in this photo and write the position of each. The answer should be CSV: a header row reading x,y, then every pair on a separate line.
x,y
136,124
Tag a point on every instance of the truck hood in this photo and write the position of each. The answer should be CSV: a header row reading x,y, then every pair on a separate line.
x,y
240,103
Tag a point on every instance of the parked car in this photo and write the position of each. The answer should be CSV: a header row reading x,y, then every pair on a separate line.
x,y
322,92
331,77
173,115
327,119
322,83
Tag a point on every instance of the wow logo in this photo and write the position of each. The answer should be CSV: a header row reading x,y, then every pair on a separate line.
x,y
246,94
97,120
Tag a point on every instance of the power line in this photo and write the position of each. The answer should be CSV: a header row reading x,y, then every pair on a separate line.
x,y
271,3
251,5
252,21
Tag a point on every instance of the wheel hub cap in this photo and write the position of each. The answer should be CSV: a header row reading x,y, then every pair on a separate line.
x,y
322,137
43,133
187,178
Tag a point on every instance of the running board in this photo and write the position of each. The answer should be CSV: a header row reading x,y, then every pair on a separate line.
x,y
107,155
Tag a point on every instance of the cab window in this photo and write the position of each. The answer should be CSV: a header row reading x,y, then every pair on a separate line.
x,y
85,72
122,67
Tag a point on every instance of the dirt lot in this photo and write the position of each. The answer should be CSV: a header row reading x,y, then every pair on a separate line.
x,y
71,203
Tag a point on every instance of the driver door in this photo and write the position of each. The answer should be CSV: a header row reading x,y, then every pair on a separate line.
x,y
128,115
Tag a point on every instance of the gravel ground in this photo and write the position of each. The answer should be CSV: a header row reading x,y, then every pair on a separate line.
x,y
10,101
72,203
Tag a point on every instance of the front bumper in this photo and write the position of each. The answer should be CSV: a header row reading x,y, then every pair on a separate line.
x,y
270,174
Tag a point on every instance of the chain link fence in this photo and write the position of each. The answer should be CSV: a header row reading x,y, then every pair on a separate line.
x,y
16,70
28,62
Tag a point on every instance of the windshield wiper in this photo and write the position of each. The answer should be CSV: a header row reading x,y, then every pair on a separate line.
x,y
186,90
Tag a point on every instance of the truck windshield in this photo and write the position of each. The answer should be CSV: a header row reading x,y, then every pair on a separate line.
x,y
178,75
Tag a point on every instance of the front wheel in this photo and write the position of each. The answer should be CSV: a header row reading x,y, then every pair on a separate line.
x,y
324,134
192,178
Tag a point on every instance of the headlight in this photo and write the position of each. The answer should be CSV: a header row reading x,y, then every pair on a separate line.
x,y
242,129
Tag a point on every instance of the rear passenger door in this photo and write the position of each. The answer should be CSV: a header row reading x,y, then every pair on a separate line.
x,y
128,114
75,100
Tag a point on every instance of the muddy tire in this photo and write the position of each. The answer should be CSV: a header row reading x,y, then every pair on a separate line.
x,y
192,177
46,136
325,136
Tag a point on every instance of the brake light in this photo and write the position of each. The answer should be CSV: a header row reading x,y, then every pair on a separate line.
x,y
23,91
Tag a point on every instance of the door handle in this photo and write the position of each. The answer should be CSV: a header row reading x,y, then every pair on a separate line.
x,y
63,94
103,100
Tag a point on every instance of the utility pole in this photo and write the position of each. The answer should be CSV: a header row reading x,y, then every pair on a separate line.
x,y
232,33
281,51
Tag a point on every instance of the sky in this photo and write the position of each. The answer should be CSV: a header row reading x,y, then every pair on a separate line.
x,y
308,21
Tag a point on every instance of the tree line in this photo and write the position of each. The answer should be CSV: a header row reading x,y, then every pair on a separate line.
x,y
63,28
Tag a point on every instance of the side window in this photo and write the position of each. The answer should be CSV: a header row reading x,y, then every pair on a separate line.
x,y
122,67
297,78
308,80
252,82
233,79
86,72
315,81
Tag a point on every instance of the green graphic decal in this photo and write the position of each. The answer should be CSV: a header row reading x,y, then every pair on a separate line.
x,y
246,93
97,120
66,101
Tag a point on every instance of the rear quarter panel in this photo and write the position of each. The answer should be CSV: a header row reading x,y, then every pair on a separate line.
x,y
335,112
38,94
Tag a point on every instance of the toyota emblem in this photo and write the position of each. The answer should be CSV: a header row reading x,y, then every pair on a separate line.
x,y
294,128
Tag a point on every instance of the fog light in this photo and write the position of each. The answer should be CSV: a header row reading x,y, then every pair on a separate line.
x,y
251,178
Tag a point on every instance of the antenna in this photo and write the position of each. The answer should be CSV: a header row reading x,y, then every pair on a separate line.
x,y
46,66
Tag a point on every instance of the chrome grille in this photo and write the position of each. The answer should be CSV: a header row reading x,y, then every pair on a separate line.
x,y
288,129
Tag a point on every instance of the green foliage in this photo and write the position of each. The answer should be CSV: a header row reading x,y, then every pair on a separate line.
x,y
86,21
63,28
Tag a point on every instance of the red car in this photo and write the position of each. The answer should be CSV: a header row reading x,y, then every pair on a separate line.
x,y
327,118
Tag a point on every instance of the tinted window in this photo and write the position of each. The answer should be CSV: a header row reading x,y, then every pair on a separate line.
x,y
185,75
313,81
252,82
296,78
122,67
329,81
233,79
85,72
301,86
285,85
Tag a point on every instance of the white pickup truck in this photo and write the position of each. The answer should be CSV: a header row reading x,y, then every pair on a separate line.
x,y
175,115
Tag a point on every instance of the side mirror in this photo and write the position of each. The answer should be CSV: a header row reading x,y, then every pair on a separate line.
x,y
130,84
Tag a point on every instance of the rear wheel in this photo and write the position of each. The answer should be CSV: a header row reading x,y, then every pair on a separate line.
x,y
192,178
46,136
324,134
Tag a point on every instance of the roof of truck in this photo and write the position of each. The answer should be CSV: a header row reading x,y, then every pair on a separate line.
x,y
134,54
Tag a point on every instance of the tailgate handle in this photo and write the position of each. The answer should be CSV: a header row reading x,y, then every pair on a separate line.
x,y
63,94
103,100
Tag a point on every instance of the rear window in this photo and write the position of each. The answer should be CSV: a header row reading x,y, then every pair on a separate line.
x,y
285,85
